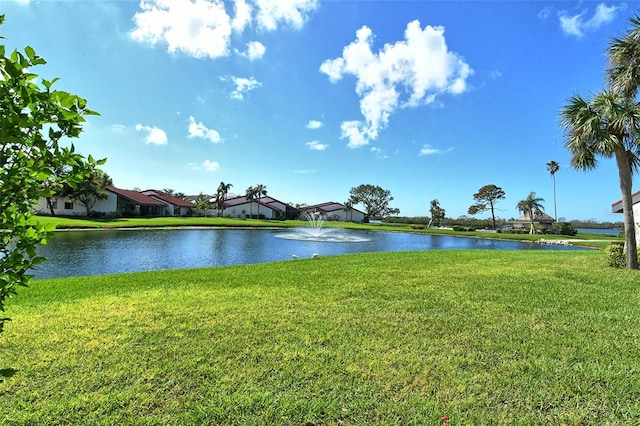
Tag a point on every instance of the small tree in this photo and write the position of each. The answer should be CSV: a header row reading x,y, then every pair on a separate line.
x,y
221,196
92,188
34,118
437,212
375,200
486,199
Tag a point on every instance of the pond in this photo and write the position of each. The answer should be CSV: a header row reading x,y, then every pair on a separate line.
x,y
81,253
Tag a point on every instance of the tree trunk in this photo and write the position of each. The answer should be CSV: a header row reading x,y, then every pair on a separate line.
x,y
624,172
50,204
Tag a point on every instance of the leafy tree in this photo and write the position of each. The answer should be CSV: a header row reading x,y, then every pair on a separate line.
x,y
221,196
375,200
202,202
531,206
92,188
607,126
486,199
437,212
553,167
34,118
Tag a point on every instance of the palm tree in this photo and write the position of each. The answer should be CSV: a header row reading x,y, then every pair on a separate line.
x,y
437,212
531,206
250,194
221,196
623,72
607,126
347,207
261,191
553,167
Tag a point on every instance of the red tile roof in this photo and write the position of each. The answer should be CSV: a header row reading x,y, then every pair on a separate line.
x,y
168,198
136,197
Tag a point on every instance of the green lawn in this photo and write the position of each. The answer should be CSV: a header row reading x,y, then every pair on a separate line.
x,y
484,337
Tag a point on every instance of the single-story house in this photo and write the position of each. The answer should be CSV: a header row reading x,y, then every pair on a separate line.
x,y
122,201
264,208
174,206
337,211
540,218
635,200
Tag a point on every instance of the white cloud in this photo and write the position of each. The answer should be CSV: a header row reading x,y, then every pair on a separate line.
x,y
199,28
314,124
304,172
317,146
204,28
199,130
154,135
207,165
406,73
243,86
293,13
243,16
255,50
429,150
580,24
118,128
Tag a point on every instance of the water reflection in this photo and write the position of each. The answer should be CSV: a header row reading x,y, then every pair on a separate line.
x,y
79,253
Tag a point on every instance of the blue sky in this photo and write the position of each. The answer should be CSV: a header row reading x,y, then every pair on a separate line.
x,y
428,99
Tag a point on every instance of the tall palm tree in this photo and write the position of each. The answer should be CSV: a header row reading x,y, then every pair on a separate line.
x,y
553,167
250,194
221,196
260,191
623,72
607,126
531,206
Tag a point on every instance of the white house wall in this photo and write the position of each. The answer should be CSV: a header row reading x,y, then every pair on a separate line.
x,y
108,205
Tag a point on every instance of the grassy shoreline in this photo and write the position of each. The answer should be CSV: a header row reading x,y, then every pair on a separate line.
x,y
484,337
65,223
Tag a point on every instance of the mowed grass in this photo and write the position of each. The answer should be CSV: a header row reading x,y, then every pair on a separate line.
x,y
484,337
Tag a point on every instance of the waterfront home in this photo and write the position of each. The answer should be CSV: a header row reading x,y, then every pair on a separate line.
x,y
337,211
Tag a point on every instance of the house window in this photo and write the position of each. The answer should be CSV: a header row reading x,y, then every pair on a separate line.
x,y
68,205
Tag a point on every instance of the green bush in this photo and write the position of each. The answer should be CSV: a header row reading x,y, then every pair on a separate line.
x,y
565,228
615,256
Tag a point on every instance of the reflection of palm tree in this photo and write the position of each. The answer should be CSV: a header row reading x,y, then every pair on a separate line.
x,y
250,195
553,167
221,196
260,191
531,206
607,126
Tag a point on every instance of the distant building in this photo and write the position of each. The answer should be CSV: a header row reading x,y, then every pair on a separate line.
x,y
337,211
635,200
540,218
264,208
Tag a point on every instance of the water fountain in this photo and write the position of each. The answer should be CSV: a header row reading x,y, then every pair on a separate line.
x,y
317,232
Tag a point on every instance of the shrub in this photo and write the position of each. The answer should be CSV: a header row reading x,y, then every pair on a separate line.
x,y
565,228
615,256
